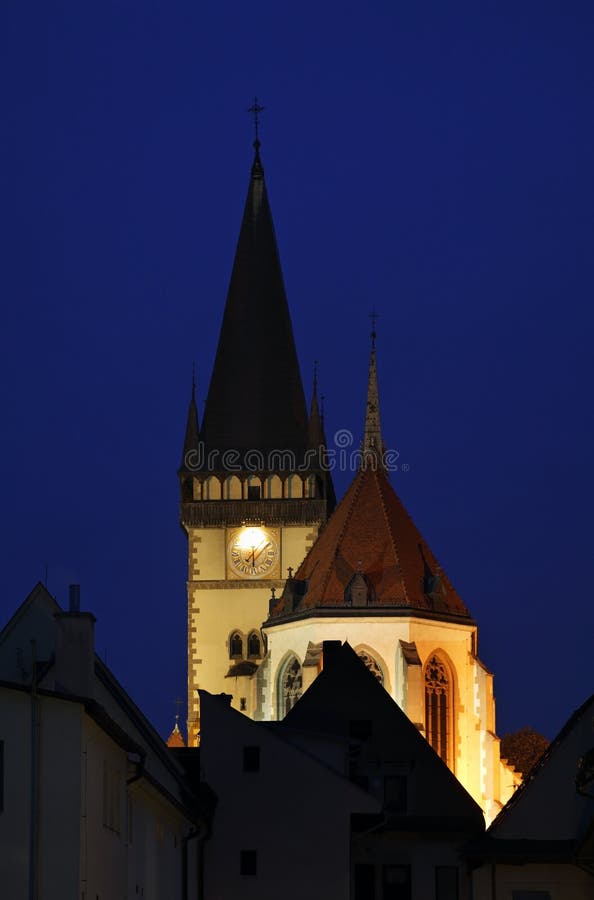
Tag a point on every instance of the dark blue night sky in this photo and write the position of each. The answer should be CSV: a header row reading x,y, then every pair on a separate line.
x,y
432,160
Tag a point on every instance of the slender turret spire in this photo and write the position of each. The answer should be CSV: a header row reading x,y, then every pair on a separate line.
x,y
373,445
316,430
192,437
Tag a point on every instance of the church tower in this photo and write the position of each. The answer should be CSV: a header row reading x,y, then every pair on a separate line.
x,y
254,489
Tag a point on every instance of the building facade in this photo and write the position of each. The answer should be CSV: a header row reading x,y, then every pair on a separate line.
x,y
92,804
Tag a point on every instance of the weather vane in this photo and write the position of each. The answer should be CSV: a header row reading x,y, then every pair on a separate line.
x,y
256,109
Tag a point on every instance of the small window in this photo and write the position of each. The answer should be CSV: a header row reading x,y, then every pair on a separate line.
x,y
251,759
364,881
248,862
395,793
396,883
254,645
236,646
360,729
446,883
253,492
242,704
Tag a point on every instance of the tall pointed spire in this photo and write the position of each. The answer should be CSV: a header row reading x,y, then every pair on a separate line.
x,y
255,399
192,436
372,451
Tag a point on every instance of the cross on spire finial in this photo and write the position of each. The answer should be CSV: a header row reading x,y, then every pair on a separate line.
x,y
193,380
256,109
374,317
178,703
315,379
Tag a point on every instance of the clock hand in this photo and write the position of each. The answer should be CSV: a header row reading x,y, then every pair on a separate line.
x,y
262,548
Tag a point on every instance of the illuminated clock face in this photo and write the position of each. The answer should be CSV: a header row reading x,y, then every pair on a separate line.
x,y
253,552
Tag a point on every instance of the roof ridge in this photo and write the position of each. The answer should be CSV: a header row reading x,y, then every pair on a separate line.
x,y
391,533
347,519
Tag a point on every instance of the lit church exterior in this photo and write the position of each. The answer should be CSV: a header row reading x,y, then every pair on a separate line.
x,y
258,505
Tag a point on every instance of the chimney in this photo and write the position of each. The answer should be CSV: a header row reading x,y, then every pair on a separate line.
x,y
75,648
330,651
225,699
74,598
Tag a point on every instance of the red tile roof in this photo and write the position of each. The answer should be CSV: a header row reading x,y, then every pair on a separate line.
x,y
370,534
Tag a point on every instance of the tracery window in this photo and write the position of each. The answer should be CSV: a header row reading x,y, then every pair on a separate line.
x,y
290,683
236,646
438,706
372,664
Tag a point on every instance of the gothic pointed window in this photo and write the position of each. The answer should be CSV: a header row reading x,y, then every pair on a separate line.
x,y
289,688
438,707
236,646
254,646
372,664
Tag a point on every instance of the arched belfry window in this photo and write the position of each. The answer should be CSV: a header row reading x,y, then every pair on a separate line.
x,y
372,664
254,645
236,646
438,707
289,686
